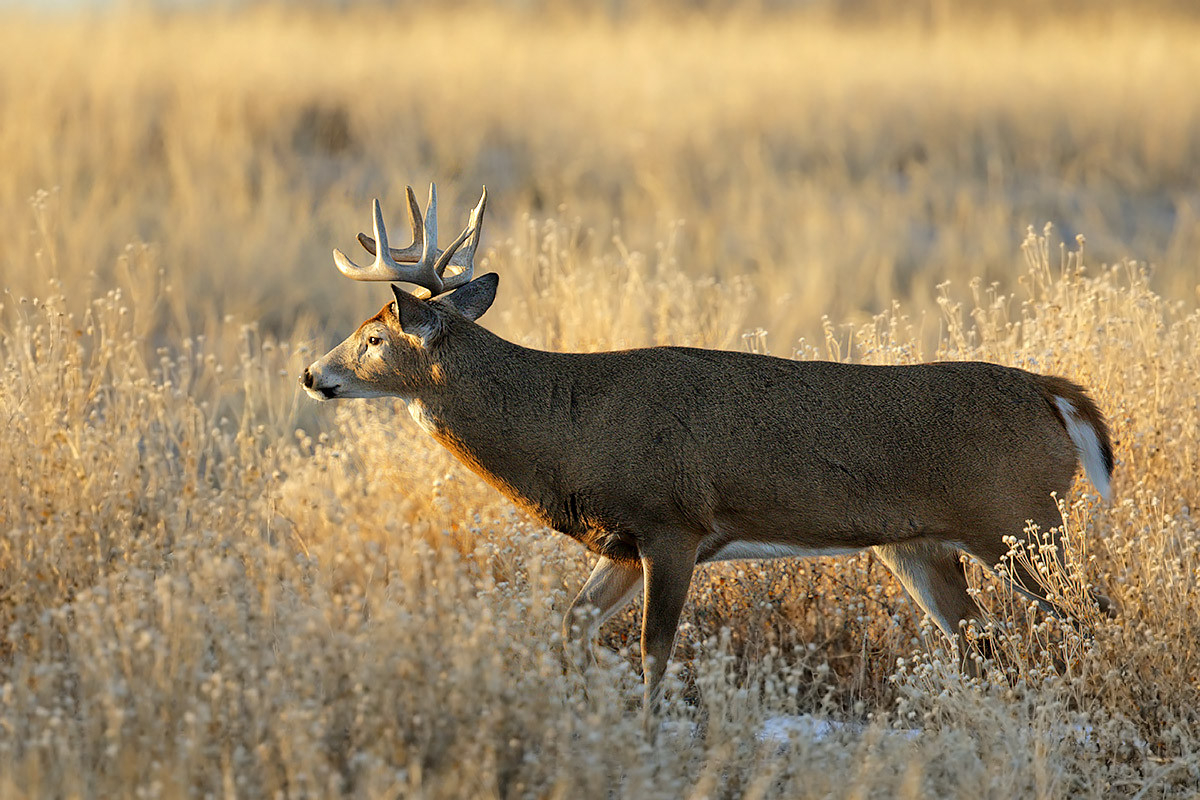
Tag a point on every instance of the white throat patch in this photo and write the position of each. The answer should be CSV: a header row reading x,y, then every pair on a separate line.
x,y
420,414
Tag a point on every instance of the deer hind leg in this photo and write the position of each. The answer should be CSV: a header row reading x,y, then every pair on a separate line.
x,y
992,551
932,572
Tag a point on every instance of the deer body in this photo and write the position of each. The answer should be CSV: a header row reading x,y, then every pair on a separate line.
x,y
662,458
736,447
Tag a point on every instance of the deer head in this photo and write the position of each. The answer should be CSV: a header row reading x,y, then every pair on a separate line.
x,y
395,353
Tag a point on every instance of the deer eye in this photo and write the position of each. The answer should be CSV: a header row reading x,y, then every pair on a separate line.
x,y
374,341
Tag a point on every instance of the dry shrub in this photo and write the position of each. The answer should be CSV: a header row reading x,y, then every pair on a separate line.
x,y
200,600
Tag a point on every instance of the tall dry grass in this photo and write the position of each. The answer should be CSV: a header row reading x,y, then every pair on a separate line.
x,y
210,588
838,167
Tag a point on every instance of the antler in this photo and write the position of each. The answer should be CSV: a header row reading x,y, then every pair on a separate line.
x,y
425,265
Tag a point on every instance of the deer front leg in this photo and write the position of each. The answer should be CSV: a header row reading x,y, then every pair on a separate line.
x,y
667,564
611,585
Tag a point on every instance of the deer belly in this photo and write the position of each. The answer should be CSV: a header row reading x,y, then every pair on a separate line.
x,y
746,550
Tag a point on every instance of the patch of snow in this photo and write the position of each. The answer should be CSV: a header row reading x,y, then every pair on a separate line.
x,y
1082,734
782,730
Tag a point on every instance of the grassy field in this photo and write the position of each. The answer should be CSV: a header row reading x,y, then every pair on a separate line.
x,y
212,587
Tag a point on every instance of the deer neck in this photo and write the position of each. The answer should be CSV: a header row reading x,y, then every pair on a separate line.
x,y
492,406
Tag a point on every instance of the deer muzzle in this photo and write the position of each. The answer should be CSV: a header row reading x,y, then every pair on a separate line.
x,y
314,383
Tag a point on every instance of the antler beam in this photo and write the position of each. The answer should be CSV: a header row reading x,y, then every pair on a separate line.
x,y
421,263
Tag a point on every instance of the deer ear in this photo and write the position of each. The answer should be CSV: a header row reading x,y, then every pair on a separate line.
x,y
415,316
476,297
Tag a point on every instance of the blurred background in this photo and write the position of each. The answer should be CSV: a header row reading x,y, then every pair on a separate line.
x,y
822,158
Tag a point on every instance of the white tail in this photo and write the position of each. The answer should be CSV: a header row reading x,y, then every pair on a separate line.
x,y
1094,452
664,458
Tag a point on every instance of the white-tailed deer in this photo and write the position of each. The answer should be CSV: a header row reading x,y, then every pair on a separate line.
x,y
663,458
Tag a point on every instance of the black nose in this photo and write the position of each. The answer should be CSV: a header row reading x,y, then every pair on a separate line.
x,y
306,378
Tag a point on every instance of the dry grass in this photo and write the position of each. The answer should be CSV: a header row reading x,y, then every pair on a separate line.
x,y
838,168
210,588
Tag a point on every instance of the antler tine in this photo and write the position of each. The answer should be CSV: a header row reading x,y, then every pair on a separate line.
x,y
429,253
424,264
461,277
413,252
461,253
384,268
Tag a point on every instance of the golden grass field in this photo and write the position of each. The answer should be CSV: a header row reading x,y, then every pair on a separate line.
x,y
212,587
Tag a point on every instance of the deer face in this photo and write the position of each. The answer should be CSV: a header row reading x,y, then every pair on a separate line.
x,y
395,353
377,360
